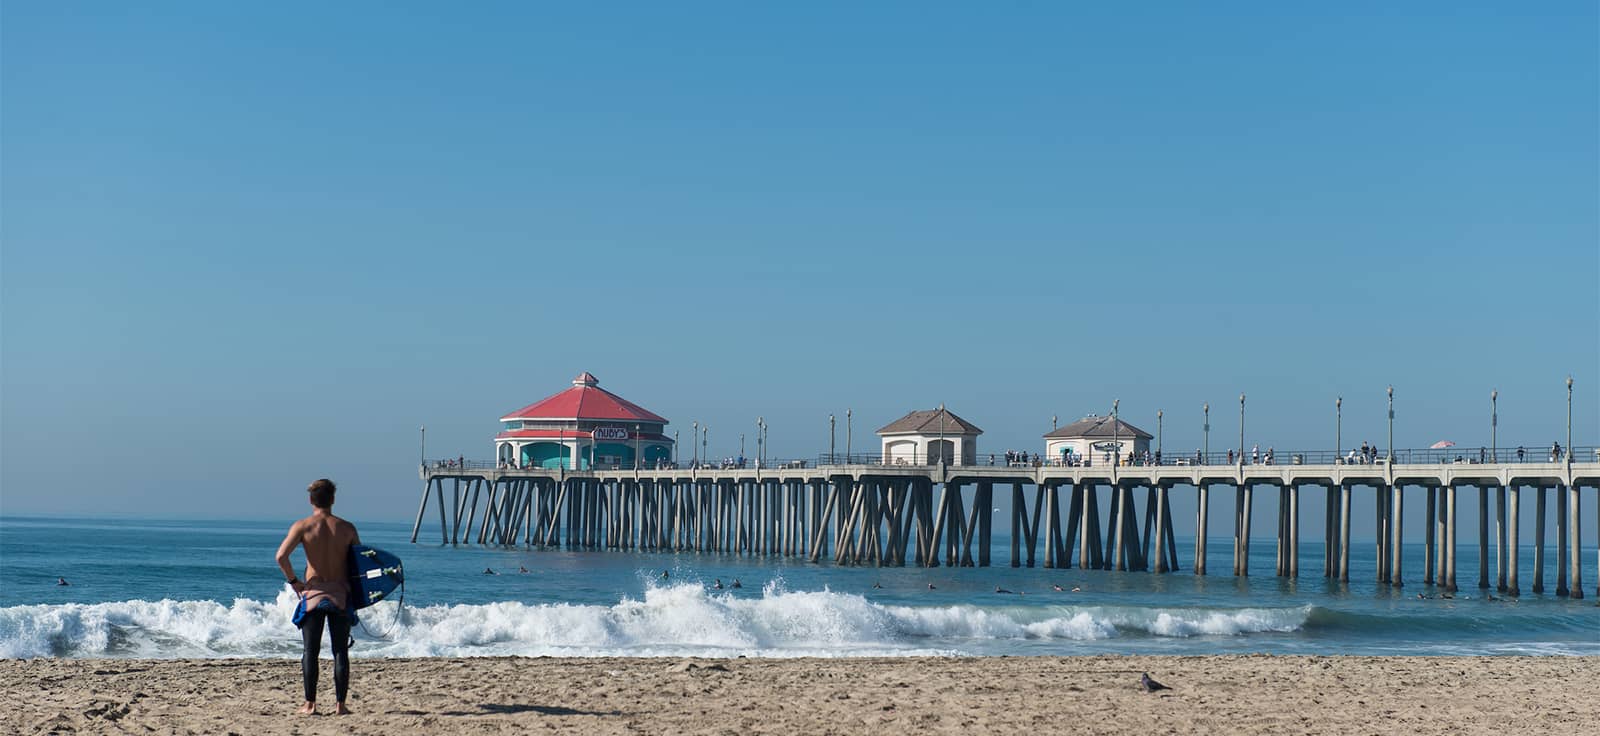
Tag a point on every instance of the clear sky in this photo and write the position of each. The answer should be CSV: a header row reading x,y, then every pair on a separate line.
x,y
245,247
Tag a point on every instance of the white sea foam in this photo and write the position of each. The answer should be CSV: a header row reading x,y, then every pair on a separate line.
x,y
674,620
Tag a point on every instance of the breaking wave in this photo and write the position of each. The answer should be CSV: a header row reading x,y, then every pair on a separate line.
x,y
671,620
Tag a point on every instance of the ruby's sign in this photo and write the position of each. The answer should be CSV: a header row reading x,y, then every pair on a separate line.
x,y
610,433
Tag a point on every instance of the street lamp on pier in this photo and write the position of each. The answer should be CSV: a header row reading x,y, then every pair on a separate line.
x,y
1205,457
424,447
1569,424
675,456
1338,427
1159,414
847,427
694,443
831,438
1116,436
1494,425
1241,429
1391,425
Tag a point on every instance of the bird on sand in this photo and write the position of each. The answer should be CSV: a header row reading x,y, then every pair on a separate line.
x,y
1150,685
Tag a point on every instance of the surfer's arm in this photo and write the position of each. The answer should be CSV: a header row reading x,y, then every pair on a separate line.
x,y
290,541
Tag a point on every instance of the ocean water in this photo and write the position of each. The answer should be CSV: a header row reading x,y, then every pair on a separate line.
x,y
143,588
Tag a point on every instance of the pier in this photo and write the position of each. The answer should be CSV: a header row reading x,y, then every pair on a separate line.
x,y
861,510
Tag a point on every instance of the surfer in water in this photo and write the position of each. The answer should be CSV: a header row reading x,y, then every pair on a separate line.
x,y
62,581
325,592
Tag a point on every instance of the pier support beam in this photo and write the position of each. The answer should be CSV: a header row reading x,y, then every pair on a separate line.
x,y
1429,548
1398,540
1483,536
1244,536
1204,493
1161,528
1511,541
1575,520
1450,543
1500,539
1344,533
1538,538
1561,540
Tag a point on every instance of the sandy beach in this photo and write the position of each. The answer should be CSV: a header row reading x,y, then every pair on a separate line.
x,y
1210,694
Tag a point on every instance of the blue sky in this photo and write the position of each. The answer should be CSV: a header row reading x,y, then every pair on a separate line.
x,y
247,247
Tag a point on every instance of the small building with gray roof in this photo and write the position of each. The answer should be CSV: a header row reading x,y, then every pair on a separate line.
x,y
926,437
1095,438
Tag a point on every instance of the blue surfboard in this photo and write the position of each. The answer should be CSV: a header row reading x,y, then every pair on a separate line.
x,y
374,574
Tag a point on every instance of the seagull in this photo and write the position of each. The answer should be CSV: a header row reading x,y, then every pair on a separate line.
x,y
1150,685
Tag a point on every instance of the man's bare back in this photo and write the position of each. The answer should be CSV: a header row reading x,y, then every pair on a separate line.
x,y
326,539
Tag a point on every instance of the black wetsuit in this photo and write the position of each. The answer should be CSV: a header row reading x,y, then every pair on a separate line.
x,y
311,633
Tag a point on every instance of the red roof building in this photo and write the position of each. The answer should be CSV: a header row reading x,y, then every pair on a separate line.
x,y
583,427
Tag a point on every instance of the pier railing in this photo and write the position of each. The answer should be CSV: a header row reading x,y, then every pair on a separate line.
x,y
1270,456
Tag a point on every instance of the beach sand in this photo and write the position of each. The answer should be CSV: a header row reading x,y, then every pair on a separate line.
x,y
1038,695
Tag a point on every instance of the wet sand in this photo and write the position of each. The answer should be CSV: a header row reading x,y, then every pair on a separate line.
x,y
995,695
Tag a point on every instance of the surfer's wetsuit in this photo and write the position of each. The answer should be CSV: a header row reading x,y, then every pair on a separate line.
x,y
338,624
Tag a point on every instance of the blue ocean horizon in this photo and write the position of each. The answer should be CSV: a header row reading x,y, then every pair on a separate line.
x,y
209,588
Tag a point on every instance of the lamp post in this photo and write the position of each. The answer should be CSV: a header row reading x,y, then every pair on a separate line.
x,y
424,447
1494,424
1338,427
638,462
831,437
761,436
1241,430
1569,424
694,444
847,427
1158,435
675,456
741,443
705,444
1116,435
1205,457
1391,425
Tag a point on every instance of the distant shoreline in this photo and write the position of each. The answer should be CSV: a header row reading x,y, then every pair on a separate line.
x,y
1094,694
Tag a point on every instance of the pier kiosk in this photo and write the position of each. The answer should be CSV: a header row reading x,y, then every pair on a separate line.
x,y
583,427
927,437
1095,439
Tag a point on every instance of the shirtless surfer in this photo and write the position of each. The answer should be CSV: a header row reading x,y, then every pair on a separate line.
x,y
325,591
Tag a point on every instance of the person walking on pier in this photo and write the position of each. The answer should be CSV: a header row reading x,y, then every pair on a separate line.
x,y
325,593
1520,453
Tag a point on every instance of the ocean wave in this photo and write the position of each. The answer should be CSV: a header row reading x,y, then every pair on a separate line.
x,y
670,620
